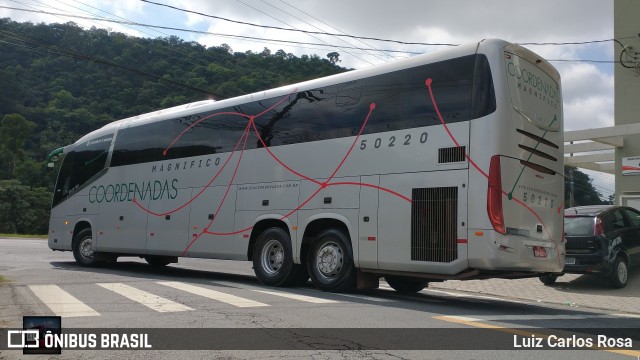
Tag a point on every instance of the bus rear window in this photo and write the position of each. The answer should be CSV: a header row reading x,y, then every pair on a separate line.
x,y
578,226
80,165
535,95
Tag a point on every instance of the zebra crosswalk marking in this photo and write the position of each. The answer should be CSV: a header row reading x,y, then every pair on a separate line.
x,y
304,298
213,294
149,300
61,302
365,297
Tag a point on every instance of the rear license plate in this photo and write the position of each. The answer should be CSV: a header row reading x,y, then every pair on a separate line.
x,y
569,261
539,252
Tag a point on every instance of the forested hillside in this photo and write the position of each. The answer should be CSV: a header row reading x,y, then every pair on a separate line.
x,y
60,81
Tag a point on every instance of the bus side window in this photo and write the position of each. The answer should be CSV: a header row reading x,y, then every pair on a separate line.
x,y
483,96
349,94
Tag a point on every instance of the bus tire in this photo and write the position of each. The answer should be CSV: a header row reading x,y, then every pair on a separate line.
x,y
84,250
330,262
619,273
548,279
273,259
406,285
158,261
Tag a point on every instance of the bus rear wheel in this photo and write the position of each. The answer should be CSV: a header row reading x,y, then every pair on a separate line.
x,y
406,285
159,261
84,249
548,279
273,259
330,263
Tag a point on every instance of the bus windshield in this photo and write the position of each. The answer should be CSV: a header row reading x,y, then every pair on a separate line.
x,y
81,164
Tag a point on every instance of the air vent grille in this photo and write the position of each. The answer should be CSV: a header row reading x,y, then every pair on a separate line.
x,y
434,219
537,152
451,154
538,139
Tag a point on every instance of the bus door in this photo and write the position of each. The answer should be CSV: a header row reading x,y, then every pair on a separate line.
x,y
368,223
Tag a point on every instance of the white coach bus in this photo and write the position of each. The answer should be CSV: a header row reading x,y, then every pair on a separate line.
x,y
442,166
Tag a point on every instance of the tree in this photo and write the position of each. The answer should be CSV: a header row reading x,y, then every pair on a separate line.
x,y
611,200
63,100
227,48
578,189
14,133
31,173
10,91
266,52
334,57
23,210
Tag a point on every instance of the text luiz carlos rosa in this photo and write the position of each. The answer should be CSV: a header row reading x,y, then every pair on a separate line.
x,y
574,341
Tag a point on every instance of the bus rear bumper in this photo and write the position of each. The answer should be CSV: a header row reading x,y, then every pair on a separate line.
x,y
515,253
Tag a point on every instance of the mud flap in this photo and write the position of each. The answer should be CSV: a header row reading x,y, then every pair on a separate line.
x,y
366,280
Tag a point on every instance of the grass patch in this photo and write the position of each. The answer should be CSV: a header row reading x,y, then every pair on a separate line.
x,y
21,236
3,279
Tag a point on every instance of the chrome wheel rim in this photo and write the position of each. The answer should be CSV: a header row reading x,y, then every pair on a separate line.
x,y
86,248
622,272
329,260
272,257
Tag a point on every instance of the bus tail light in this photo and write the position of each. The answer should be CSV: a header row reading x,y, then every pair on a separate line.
x,y
494,196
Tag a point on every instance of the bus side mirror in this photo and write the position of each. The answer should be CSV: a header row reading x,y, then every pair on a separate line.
x,y
54,157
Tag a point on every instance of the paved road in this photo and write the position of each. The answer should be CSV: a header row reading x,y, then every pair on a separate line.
x,y
212,295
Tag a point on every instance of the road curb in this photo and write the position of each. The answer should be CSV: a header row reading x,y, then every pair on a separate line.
x,y
574,291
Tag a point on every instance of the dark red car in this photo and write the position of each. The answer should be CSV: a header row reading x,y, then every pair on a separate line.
x,y
603,240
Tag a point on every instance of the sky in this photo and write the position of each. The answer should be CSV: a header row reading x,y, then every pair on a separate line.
x,y
586,69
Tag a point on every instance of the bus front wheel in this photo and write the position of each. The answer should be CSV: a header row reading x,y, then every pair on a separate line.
x,y
273,260
330,263
84,248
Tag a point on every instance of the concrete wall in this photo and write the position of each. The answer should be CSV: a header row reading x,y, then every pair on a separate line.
x,y
627,91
